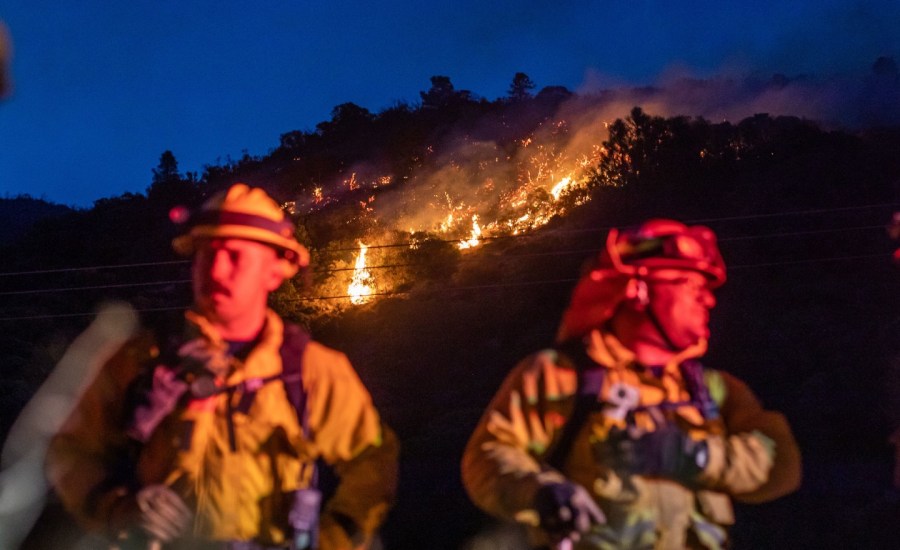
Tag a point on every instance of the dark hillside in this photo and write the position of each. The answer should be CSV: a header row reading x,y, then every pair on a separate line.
x,y
19,214
808,317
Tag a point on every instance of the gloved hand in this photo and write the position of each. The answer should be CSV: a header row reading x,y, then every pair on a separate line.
x,y
163,515
203,354
161,400
665,452
566,511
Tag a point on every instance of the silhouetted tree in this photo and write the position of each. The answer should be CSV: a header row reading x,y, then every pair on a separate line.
x,y
521,87
168,187
439,94
167,169
442,93
346,116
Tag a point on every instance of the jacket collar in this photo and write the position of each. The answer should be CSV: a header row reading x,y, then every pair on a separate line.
x,y
259,363
606,349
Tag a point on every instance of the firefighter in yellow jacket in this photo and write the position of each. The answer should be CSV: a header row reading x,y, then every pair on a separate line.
x,y
207,436
618,437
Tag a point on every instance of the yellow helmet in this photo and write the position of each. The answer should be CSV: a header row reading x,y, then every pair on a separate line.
x,y
244,212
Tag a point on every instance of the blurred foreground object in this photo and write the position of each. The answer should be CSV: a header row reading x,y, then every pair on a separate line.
x,y
22,484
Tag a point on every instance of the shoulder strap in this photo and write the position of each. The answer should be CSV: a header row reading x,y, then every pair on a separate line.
x,y
293,344
692,372
590,382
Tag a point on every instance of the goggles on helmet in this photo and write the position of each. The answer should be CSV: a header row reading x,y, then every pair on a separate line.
x,y
661,244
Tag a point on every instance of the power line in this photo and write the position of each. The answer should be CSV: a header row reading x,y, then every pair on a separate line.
x,y
811,260
499,237
443,289
801,233
468,288
794,213
96,287
85,314
91,268
504,255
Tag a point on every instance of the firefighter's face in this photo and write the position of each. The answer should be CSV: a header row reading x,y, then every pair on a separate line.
x,y
681,301
232,278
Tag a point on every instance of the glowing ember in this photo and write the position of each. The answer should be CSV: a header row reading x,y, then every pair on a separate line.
x,y
351,183
361,286
317,195
475,238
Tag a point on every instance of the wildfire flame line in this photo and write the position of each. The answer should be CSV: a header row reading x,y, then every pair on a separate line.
x,y
475,238
361,286
502,193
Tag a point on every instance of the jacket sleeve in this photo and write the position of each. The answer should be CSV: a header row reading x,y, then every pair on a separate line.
x,y
501,468
757,459
86,462
349,435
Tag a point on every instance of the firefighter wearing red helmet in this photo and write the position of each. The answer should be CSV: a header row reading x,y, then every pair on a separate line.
x,y
618,437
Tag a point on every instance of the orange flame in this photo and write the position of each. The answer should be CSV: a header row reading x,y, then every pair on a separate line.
x,y
361,286
561,186
475,237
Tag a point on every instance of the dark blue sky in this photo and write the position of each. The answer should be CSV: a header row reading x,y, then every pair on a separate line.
x,y
102,88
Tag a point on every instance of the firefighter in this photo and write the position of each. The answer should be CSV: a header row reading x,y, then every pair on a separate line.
x,y
618,437
207,434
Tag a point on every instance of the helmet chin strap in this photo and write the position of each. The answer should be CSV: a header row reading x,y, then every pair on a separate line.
x,y
654,319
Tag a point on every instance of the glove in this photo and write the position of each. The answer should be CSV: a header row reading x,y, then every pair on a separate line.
x,y
201,354
161,400
566,510
666,452
163,515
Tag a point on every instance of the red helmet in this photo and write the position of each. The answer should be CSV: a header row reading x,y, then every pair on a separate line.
x,y
634,254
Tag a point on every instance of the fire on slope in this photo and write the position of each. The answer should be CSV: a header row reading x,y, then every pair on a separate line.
x,y
361,289
474,192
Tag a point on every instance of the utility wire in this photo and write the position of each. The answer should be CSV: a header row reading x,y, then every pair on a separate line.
x,y
96,287
794,213
506,256
811,260
91,268
467,288
485,239
70,315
